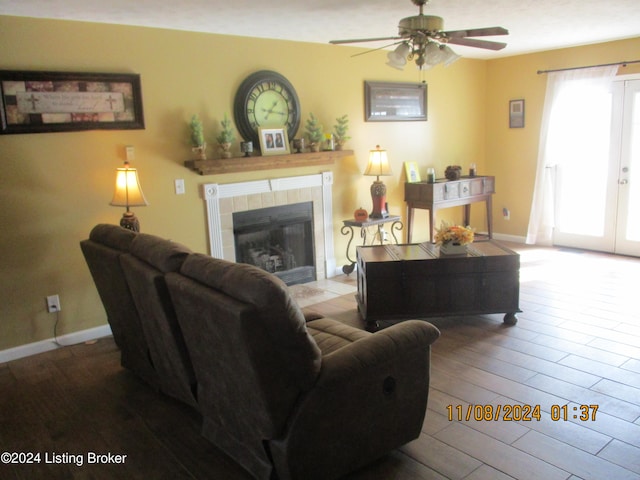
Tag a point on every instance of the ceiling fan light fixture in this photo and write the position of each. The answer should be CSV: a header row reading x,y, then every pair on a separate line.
x,y
451,56
434,53
422,40
398,58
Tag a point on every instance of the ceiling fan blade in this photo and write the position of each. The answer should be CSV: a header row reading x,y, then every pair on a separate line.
x,y
473,42
477,32
361,40
375,49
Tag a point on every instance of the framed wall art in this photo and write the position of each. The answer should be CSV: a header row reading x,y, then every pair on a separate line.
x,y
37,102
395,102
516,113
412,172
273,141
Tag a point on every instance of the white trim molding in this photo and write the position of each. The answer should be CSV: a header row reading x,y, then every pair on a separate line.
x,y
53,343
222,200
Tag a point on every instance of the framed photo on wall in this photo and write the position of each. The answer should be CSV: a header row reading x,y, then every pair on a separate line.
x,y
516,113
37,102
273,141
395,102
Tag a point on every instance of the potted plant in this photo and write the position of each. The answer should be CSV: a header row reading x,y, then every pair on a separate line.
x,y
340,130
226,137
313,130
198,145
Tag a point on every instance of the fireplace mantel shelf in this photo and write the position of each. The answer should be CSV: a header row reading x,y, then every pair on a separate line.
x,y
248,164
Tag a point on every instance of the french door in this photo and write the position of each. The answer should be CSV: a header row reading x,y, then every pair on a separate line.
x,y
597,190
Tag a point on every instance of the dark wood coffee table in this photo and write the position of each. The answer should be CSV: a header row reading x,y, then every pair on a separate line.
x,y
414,281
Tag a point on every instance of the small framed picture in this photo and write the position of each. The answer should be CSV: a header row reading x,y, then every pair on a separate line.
x,y
411,169
516,113
273,141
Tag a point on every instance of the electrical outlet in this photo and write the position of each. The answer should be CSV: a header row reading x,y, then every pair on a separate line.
x,y
53,303
506,214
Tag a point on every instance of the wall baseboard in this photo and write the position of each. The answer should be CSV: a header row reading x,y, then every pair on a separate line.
x,y
50,344
509,238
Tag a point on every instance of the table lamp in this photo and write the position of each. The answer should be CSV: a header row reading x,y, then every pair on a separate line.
x,y
377,167
128,193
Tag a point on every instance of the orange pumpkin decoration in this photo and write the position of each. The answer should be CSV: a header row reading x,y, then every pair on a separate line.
x,y
360,215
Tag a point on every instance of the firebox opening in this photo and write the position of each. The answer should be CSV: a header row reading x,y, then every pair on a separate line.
x,y
278,240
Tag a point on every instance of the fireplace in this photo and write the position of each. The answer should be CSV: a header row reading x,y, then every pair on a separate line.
x,y
278,240
223,201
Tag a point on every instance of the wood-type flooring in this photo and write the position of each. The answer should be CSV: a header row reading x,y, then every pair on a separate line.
x,y
574,352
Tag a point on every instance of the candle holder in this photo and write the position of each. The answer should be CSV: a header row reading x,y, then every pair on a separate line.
x,y
298,144
246,148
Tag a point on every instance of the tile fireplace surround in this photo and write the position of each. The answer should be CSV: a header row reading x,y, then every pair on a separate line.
x,y
222,200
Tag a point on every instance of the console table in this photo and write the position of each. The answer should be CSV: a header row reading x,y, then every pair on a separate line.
x,y
348,229
415,281
449,193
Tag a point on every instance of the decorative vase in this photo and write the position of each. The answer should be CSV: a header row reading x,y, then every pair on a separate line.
x,y
450,248
453,172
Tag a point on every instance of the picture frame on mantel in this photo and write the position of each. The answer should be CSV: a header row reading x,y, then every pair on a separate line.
x,y
273,141
39,101
516,113
395,101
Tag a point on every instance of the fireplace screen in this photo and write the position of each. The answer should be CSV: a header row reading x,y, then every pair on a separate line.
x,y
278,240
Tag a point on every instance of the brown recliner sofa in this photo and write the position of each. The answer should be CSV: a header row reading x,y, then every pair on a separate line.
x,y
285,396
308,400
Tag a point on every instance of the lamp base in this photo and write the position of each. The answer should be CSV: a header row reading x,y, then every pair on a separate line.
x,y
379,200
130,222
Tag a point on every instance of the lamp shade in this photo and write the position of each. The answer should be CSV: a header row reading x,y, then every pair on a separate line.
x,y
128,192
378,163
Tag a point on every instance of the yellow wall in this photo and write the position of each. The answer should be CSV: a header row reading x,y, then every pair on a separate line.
x,y
512,153
56,186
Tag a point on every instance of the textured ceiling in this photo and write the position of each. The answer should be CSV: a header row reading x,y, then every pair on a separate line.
x,y
533,25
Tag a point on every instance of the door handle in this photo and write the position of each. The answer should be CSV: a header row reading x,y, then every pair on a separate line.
x,y
623,182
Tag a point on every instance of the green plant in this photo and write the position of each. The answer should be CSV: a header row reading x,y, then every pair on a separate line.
x,y
341,128
227,134
197,132
313,129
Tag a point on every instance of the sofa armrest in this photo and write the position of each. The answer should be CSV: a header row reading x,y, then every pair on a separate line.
x,y
370,397
378,349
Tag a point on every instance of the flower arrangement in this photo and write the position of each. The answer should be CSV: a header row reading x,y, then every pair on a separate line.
x,y
455,234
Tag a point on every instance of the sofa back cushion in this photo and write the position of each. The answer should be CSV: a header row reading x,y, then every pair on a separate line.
x,y
145,266
102,251
255,332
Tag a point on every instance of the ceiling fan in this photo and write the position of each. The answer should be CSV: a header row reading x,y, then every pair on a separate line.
x,y
422,37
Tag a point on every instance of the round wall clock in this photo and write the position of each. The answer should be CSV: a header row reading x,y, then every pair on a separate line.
x,y
266,99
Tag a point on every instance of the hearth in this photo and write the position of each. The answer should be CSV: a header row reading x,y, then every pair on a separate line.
x,y
279,240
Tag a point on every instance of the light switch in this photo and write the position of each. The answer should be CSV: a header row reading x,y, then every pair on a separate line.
x,y
179,183
130,153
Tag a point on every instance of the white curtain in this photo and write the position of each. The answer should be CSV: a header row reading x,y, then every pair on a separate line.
x,y
550,154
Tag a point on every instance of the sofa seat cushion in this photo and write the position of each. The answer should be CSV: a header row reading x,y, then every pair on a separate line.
x,y
331,335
